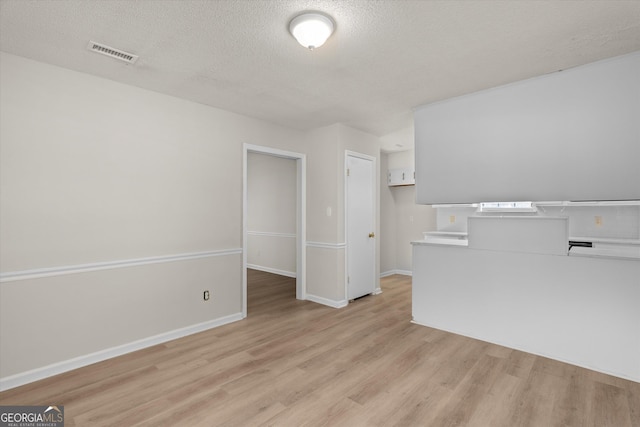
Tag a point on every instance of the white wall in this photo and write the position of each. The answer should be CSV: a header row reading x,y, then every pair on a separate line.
x,y
403,219
271,214
119,206
570,135
325,210
614,222
325,248
412,220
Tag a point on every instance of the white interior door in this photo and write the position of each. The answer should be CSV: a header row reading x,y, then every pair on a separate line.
x,y
360,226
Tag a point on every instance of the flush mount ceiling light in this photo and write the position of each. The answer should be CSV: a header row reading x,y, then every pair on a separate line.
x,y
311,29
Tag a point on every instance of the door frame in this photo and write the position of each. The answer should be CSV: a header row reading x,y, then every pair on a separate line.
x,y
347,154
301,216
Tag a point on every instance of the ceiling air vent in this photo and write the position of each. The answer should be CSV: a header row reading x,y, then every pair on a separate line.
x,y
127,57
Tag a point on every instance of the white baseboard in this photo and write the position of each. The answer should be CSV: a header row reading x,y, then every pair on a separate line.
x,y
328,302
272,270
392,272
22,378
404,272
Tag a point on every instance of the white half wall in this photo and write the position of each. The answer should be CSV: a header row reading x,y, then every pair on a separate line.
x,y
580,310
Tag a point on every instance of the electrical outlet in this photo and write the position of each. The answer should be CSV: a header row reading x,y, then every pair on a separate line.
x,y
598,221
452,219
206,295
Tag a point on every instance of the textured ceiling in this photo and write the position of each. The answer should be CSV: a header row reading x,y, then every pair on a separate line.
x,y
385,57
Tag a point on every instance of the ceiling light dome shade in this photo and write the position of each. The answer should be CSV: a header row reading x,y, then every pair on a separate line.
x,y
311,29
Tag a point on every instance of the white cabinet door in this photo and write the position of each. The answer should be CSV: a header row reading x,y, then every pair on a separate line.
x,y
394,177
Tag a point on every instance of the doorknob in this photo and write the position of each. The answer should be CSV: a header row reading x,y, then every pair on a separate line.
x,y
372,235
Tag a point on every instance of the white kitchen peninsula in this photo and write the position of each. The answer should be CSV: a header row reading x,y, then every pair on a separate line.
x,y
537,190
583,310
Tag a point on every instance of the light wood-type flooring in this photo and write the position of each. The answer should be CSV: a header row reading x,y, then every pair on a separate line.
x,y
296,363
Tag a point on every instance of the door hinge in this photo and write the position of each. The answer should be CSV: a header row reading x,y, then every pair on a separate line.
x,y
348,279
348,172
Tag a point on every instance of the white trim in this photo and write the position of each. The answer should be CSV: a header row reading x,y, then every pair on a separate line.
x,y
245,238
109,265
326,245
327,301
392,272
591,204
405,272
359,155
272,270
22,378
301,216
272,151
301,227
270,234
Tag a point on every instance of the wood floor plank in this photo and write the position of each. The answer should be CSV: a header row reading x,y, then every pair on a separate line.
x,y
520,364
422,412
571,406
409,400
395,369
609,407
633,396
469,392
296,363
493,408
536,400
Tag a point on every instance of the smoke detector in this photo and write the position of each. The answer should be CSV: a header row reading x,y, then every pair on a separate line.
x,y
127,57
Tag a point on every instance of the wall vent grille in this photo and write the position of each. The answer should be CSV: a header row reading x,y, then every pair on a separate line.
x,y
127,57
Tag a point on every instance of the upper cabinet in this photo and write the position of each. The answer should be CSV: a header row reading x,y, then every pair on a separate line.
x,y
401,168
570,135
398,177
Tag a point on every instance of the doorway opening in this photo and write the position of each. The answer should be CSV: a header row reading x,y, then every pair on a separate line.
x,y
286,230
